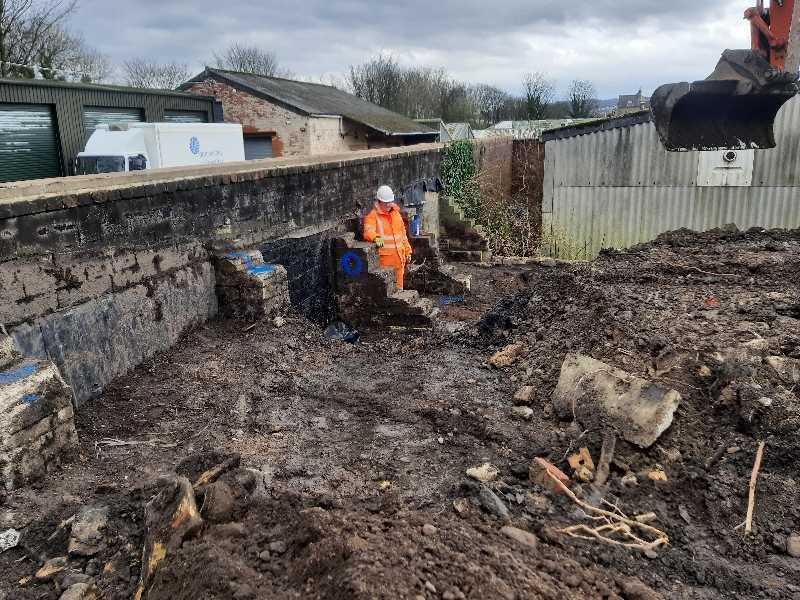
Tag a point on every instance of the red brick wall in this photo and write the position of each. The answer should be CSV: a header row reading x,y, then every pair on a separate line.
x,y
527,170
257,116
494,155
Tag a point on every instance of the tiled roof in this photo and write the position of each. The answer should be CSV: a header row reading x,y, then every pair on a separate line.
x,y
315,99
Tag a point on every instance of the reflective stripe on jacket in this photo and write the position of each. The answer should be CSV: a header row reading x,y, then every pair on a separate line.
x,y
388,226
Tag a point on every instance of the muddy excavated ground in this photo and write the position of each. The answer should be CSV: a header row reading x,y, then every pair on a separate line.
x,y
354,459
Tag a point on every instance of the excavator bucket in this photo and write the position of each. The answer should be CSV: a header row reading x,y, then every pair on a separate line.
x,y
731,110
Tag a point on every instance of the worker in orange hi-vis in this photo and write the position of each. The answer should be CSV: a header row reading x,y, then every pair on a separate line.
x,y
384,226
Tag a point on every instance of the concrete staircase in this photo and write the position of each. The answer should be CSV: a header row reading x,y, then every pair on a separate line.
x,y
366,295
460,238
428,274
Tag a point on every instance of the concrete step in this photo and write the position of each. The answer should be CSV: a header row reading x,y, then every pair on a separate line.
x,y
409,296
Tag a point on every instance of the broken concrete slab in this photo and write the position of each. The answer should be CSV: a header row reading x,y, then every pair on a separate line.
x,y
86,538
171,517
599,395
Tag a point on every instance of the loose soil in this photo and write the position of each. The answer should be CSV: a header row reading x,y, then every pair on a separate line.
x,y
348,452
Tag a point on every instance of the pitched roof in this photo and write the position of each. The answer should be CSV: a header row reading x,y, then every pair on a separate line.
x,y
315,99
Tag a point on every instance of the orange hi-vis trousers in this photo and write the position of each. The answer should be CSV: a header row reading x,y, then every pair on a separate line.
x,y
389,226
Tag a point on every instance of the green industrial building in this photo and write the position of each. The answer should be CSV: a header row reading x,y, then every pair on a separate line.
x,y
45,123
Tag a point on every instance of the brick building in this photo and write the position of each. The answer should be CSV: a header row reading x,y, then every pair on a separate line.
x,y
282,117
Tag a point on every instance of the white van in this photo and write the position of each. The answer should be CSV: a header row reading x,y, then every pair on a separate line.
x,y
119,147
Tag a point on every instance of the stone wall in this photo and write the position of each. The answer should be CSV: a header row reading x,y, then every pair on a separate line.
x,y
100,272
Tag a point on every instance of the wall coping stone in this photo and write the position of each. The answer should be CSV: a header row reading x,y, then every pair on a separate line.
x,y
32,197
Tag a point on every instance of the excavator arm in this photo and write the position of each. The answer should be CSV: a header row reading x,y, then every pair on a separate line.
x,y
735,107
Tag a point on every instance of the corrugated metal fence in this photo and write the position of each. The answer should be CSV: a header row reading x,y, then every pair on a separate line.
x,y
617,186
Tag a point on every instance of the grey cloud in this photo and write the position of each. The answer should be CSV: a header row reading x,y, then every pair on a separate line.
x,y
313,37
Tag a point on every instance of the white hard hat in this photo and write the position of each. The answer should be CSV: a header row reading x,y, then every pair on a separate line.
x,y
385,194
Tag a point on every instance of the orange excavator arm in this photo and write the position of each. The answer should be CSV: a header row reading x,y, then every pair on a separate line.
x,y
735,107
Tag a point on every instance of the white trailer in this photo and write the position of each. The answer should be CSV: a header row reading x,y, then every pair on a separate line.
x,y
119,147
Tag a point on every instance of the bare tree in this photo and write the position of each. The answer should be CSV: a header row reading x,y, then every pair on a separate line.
x,y
144,73
582,99
250,59
378,80
490,100
539,92
26,26
65,55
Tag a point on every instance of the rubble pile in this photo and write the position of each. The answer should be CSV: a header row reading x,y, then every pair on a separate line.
x,y
627,428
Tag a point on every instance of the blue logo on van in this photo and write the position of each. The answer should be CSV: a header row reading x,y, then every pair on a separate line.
x,y
194,145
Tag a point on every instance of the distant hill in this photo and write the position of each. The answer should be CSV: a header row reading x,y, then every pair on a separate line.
x,y
610,103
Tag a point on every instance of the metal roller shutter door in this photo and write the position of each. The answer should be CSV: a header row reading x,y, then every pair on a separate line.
x,y
96,115
257,147
28,143
185,116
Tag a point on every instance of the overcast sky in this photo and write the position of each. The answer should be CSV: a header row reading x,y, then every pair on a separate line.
x,y
619,45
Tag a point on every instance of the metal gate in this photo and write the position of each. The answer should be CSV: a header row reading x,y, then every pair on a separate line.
x,y
96,115
28,143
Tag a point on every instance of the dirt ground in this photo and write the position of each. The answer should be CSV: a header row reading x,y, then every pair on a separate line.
x,y
354,458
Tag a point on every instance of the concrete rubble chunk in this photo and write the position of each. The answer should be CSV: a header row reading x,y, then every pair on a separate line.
x,y
599,395
507,356
787,368
82,591
520,535
522,412
793,546
486,472
538,474
524,394
171,517
86,538
36,419
52,569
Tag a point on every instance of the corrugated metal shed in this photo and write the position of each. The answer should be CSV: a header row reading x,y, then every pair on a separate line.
x,y
460,131
611,183
69,100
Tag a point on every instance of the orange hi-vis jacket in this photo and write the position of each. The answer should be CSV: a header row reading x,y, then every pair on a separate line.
x,y
390,227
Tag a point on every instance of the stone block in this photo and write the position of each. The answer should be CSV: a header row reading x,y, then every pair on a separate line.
x,y
81,277
27,289
247,288
36,422
599,396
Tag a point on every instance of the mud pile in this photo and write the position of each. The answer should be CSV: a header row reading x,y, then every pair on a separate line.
x,y
352,481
